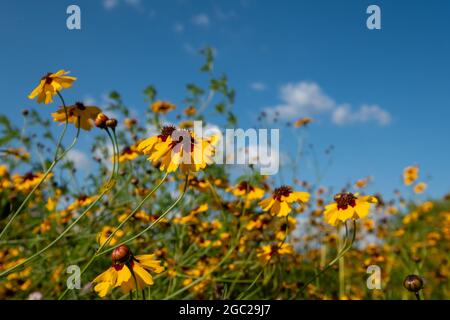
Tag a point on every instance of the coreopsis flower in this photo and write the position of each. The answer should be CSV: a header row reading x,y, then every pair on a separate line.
x,y
247,191
420,187
280,203
18,153
50,84
348,206
106,232
265,253
128,154
190,111
410,174
162,106
4,178
28,181
78,114
126,271
302,122
179,148
82,201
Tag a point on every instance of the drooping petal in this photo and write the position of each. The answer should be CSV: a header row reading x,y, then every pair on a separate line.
x,y
142,273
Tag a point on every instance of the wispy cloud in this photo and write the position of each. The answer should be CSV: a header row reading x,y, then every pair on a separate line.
x,y
178,27
201,20
80,160
345,115
308,99
258,86
110,4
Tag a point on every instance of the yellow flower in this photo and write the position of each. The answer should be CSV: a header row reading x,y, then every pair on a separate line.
x,y
106,233
302,122
245,190
179,148
128,154
410,174
162,106
420,187
50,84
78,114
280,202
348,206
127,271
81,201
190,111
188,124
28,181
265,253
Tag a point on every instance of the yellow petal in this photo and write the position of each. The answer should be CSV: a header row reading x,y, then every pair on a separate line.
x,y
142,273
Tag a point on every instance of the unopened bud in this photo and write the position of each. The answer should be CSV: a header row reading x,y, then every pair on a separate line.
x,y
413,283
121,254
100,121
111,123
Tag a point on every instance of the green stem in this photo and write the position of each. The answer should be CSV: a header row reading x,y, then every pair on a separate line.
x,y
49,170
339,255
8,271
35,255
99,252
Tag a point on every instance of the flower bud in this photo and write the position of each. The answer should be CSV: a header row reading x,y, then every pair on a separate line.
x,y
413,283
121,254
111,123
100,121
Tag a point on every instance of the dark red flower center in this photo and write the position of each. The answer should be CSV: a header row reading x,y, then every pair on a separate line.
x,y
245,186
47,78
80,106
343,200
283,191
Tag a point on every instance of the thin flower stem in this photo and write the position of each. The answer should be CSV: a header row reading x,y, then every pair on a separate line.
x,y
14,215
339,255
49,170
58,145
99,250
154,222
8,271
193,283
106,189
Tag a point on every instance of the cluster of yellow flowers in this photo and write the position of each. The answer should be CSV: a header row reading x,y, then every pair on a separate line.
x,y
259,220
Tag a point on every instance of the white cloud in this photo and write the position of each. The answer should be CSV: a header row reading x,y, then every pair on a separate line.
x,y
344,115
110,4
308,99
200,20
134,3
178,27
80,160
258,86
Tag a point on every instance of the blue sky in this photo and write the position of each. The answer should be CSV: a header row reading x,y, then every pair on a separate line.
x,y
381,97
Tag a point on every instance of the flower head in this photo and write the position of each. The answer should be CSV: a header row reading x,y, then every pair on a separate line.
x,y
27,181
246,190
302,122
128,154
175,148
50,84
348,206
78,114
162,107
127,271
265,253
281,201
420,187
410,174
106,233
